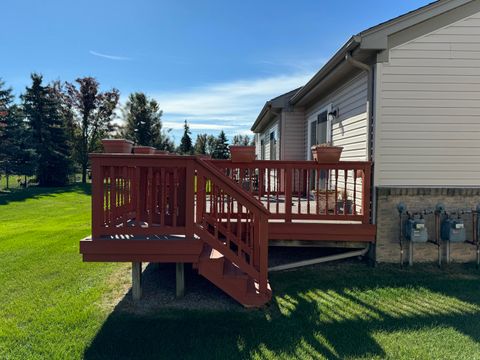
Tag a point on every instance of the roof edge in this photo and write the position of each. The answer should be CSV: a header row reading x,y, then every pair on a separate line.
x,y
339,56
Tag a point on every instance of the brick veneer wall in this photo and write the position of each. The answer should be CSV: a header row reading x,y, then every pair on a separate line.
x,y
387,246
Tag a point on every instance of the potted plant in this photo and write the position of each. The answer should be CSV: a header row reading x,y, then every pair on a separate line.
x,y
242,153
117,145
143,150
326,153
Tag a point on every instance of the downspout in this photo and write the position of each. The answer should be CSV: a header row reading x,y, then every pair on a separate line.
x,y
370,121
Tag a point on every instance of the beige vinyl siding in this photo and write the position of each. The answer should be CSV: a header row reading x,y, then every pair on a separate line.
x,y
428,110
258,149
265,134
349,130
293,142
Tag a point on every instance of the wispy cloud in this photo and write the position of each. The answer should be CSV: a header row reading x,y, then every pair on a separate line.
x,y
110,57
230,106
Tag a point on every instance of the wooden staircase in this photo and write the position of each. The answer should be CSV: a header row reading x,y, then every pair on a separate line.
x,y
138,200
231,279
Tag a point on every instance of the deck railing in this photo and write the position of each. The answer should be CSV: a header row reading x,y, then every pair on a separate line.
x,y
151,196
306,190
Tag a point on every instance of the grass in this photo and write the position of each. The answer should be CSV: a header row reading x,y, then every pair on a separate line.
x,y
53,305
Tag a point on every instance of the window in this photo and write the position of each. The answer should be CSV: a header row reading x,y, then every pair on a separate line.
x,y
262,149
319,129
273,146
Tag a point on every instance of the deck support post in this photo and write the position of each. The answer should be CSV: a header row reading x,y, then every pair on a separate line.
x,y
136,280
180,280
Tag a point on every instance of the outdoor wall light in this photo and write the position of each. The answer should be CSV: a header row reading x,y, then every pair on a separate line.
x,y
332,115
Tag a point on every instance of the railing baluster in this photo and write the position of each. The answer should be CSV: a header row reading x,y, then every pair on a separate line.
x,y
336,193
277,188
150,197
307,189
288,194
345,174
268,189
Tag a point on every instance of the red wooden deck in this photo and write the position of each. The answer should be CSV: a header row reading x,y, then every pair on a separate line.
x,y
163,208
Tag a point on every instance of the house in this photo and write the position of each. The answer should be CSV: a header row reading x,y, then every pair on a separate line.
x,y
405,95
401,98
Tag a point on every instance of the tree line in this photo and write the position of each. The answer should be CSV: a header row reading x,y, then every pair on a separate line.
x,y
53,127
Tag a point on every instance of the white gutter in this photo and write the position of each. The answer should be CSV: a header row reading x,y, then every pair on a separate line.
x,y
370,120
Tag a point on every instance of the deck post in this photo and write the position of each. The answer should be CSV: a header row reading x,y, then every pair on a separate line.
x,y
136,280
180,279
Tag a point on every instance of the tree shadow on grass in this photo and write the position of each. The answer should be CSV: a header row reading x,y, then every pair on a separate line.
x,y
35,192
316,317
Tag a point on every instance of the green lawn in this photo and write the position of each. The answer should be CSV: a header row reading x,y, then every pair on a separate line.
x,y
52,306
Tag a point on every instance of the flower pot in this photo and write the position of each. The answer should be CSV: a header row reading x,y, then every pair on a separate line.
x,y
242,153
204,157
143,150
326,154
161,152
321,197
117,146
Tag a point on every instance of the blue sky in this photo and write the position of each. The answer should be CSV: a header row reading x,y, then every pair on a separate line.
x,y
214,63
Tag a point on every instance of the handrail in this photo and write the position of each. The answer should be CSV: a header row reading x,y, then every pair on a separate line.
x,y
306,190
241,236
145,196
227,182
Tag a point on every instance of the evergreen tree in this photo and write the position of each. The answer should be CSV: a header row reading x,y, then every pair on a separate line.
x,y
93,113
143,124
222,150
16,155
186,147
201,144
49,136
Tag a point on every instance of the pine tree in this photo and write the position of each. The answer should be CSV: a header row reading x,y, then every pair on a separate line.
x,y
16,154
49,136
222,150
186,147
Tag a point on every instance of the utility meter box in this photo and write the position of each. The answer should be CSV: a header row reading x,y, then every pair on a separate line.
x,y
415,230
453,230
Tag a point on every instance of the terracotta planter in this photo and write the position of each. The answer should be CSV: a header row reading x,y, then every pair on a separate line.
x,y
242,153
326,154
161,152
321,197
204,157
117,146
143,150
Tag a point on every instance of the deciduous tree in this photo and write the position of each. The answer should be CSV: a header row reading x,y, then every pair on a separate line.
x,y
93,113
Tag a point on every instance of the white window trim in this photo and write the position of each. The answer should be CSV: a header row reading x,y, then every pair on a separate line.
x,y
262,151
313,118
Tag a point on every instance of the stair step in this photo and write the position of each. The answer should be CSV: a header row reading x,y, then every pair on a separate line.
x,y
232,270
254,289
209,253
